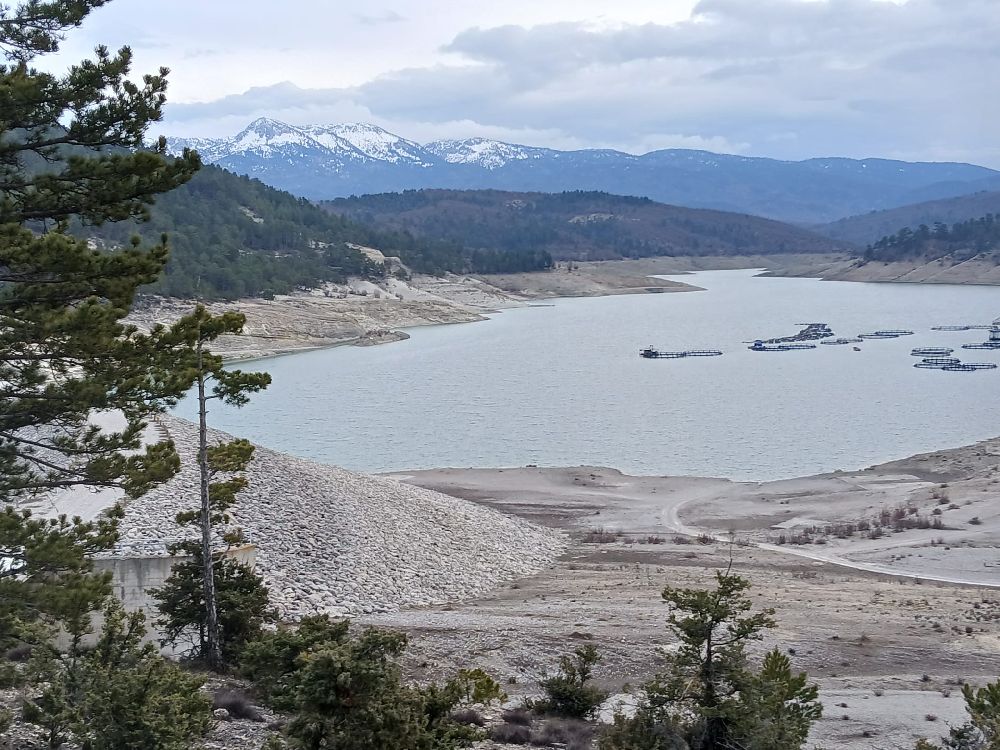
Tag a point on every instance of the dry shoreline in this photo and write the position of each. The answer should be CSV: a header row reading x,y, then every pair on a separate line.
x,y
362,313
888,646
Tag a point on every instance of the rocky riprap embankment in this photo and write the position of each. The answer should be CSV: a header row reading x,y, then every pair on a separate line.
x,y
330,540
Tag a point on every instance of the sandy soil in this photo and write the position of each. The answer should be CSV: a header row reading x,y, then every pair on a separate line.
x,y
887,646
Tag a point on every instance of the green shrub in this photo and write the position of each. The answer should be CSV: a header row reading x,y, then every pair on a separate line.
x,y
345,691
120,694
641,732
569,692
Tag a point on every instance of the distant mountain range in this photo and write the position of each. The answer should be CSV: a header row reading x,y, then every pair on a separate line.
x,y
867,228
331,161
575,225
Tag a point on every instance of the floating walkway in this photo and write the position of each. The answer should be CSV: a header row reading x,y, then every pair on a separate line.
x,y
840,342
651,353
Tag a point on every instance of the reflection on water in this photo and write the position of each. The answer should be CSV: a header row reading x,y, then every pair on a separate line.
x,y
562,384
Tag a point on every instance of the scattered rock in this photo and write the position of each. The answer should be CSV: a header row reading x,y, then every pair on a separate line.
x,y
334,541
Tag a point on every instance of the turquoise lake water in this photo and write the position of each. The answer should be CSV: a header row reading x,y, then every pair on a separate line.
x,y
562,384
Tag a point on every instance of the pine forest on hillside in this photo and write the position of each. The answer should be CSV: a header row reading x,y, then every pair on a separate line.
x,y
577,225
234,237
961,241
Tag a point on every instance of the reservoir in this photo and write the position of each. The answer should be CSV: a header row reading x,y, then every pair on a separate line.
x,y
561,383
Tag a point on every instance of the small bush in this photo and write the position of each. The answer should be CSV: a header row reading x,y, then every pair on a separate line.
x,y
468,717
19,654
974,521
237,704
519,716
646,730
601,536
571,734
511,734
569,693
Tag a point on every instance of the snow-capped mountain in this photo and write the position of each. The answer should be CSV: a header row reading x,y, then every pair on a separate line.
x,y
483,152
353,142
265,138
370,140
332,161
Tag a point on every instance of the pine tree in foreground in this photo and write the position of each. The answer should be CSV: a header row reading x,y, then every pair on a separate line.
x,y
71,149
219,469
709,697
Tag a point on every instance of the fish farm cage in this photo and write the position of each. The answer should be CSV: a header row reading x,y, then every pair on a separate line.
x,y
969,367
961,328
891,334
840,342
950,364
931,351
936,363
984,345
760,346
651,353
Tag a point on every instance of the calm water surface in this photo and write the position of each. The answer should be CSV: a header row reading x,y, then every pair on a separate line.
x,y
562,384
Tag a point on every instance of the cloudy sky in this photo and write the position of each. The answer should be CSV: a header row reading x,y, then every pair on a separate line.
x,y
911,79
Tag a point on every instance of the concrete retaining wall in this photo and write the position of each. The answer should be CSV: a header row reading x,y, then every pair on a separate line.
x,y
134,578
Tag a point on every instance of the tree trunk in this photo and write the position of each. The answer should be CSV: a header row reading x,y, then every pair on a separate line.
x,y
713,725
211,650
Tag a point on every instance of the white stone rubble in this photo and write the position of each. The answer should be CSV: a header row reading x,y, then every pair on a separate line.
x,y
334,541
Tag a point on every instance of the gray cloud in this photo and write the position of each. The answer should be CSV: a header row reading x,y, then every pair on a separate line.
x,y
784,78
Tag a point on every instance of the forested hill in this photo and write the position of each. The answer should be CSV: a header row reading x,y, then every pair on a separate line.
x,y
975,238
865,229
577,225
233,236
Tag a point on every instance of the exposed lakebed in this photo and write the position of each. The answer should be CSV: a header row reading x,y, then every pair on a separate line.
x,y
562,384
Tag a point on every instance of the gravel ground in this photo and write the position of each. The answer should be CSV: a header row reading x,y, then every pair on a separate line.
x,y
337,542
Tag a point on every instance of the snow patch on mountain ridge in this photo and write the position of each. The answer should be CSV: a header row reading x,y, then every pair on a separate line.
x,y
355,142
486,153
